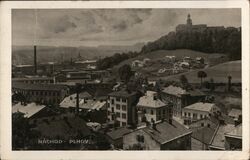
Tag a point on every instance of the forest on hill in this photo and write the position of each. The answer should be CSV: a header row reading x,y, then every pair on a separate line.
x,y
227,41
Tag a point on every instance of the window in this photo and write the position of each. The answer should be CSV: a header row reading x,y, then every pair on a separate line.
x,y
152,112
118,114
112,109
108,113
189,114
112,101
164,111
194,115
159,112
201,116
202,124
185,114
118,107
124,116
140,138
124,108
124,100
124,124
117,99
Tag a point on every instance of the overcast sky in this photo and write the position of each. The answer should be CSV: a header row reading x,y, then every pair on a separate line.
x,y
93,27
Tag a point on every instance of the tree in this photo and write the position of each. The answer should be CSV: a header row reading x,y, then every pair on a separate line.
x,y
201,75
125,72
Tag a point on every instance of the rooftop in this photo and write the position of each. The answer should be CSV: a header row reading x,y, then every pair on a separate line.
x,y
166,132
236,132
118,133
200,106
150,101
203,134
173,90
89,104
235,112
32,78
48,87
28,110
122,93
219,138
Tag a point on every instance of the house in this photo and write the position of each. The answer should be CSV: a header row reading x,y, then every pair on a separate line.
x,y
203,132
233,139
150,107
115,137
34,80
159,136
219,141
30,110
122,107
198,111
235,113
42,93
137,63
199,60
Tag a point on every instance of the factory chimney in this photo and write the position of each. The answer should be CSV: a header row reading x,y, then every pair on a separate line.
x,y
35,64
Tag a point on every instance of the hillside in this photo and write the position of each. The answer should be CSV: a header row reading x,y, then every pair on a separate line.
x,y
24,54
218,72
212,59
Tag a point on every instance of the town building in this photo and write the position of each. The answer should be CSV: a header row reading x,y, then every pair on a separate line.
x,y
122,107
41,93
198,111
235,113
233,139
180,98
150,107
115,136
159,136
34,80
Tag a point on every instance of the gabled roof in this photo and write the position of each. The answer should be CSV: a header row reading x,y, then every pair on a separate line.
x,y
203,134
28,110
166,132
149,101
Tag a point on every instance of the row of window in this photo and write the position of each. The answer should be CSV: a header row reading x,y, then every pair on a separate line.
x,y
118,107
153,112
118,100
195,115
124,116
45,93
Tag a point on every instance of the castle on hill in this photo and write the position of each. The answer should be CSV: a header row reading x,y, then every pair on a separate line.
x,y
188,27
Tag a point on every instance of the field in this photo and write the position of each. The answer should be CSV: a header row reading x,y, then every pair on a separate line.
x,y
218,72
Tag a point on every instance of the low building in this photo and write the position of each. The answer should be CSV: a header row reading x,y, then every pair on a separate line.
x,y
115,137
34,80
233,139
29,110
41,93
198,111
159,136
150,107
122,107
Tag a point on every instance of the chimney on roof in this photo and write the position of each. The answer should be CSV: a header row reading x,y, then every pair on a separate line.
x,y
35,63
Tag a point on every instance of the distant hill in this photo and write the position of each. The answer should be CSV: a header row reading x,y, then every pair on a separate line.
x,y
210,40
24,54
218,72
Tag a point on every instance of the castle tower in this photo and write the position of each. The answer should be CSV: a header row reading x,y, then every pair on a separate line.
x,y
189,20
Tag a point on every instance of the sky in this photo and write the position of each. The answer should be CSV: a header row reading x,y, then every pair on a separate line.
x,y
95,27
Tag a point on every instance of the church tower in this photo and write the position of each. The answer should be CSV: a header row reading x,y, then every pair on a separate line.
x,y
189,20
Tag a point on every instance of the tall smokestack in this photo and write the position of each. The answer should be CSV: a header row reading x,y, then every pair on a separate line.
x,y
77,98
229,82
35,65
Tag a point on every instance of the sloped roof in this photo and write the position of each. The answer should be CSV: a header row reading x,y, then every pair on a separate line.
x,y
173,90
28,110
236,132
200,106
166,132
149,101
122,93
203,134
118,133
